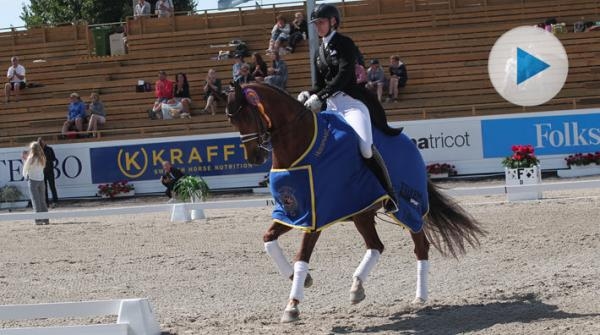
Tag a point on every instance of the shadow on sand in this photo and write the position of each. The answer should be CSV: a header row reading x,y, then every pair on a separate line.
x,y
456,319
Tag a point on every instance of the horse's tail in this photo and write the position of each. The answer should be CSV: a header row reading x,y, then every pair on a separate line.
x,y
448,226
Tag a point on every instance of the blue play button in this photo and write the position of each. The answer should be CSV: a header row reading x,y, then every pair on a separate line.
x,y
528,65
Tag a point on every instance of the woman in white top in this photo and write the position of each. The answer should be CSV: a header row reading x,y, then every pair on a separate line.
x,y
33,170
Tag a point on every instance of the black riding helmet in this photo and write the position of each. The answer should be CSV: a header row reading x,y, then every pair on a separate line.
x,y
325,11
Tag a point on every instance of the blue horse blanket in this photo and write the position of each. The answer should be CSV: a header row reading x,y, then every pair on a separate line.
x,y
330,182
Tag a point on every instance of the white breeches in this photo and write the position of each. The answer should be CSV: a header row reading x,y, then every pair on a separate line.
x,y
356,114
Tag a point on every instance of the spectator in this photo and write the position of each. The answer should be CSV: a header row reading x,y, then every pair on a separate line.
x,y
49,172
97,114
182,93
142,8
361,74
279,34
212,92
33,170
16,79
398,77
245,75
163,90
169,178
299,31
237,66
375,78
75,116
164,8
278,73
259,67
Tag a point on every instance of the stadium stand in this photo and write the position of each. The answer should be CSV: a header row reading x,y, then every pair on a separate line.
x,y
445,45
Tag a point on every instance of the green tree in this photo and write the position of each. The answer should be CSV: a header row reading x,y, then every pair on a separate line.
x,y
52,12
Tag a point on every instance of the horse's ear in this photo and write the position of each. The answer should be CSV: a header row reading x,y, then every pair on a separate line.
x,y
239,95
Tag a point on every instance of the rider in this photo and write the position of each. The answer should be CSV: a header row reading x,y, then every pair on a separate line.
x,y
336,84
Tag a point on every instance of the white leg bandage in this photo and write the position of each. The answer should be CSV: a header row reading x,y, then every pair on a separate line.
x,y
366,265
274,251
422,273
300,272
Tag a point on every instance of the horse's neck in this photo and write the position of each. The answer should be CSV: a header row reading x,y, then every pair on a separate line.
x,y
293,139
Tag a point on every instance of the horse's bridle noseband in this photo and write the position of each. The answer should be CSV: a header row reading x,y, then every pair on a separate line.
x,y
263,136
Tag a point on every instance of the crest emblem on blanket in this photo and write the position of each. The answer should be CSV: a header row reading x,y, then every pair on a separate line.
x,y
289,201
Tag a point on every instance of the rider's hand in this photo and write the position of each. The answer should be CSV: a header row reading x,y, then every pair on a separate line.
x,y
314,103
303,96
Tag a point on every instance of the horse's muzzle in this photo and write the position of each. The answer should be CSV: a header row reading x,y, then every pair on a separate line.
x,y
258,156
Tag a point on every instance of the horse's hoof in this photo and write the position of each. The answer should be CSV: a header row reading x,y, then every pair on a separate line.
x,y
291,313
419,301
308,281
357,292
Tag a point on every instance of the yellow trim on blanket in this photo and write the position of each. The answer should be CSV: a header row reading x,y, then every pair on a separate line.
x,y
383,197
403,225
312,229
312,196
312,142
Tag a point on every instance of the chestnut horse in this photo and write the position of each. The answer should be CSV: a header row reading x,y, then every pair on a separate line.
x,y
273,123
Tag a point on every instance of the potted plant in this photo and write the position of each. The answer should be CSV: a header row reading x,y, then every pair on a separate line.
x,y
116,189
437,170
580,159
10,197
189,189
522,168
581,164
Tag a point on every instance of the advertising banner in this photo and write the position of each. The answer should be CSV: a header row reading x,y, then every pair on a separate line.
x,y
203,157
548,134
475,145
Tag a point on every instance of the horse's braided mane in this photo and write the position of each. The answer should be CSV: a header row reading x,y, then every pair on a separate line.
x,y
275,88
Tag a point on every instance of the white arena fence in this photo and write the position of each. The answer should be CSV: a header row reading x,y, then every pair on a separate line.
x,y
181,211
134,317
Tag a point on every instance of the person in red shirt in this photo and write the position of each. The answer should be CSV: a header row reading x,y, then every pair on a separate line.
x,y
163,89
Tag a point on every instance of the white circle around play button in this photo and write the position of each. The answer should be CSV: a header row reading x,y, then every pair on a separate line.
x,y
528,66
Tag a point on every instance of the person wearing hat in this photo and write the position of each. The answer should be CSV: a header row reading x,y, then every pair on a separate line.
x,y
75,115
334,64
245,76
375,78
238,61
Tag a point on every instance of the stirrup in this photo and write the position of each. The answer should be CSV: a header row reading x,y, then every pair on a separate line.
x,y
390,206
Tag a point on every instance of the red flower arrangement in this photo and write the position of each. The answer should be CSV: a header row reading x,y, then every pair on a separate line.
x,y
523,157
118,187
583,159
438,168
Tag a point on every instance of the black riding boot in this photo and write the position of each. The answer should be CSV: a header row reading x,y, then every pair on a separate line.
x,y
377,165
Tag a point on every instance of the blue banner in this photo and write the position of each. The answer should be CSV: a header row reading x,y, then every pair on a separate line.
x,y
549,135
210,157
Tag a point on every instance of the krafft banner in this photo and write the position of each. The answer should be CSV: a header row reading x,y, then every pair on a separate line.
x,y
206,157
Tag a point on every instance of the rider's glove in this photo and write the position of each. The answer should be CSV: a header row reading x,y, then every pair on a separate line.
x,y
314,103
303,96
